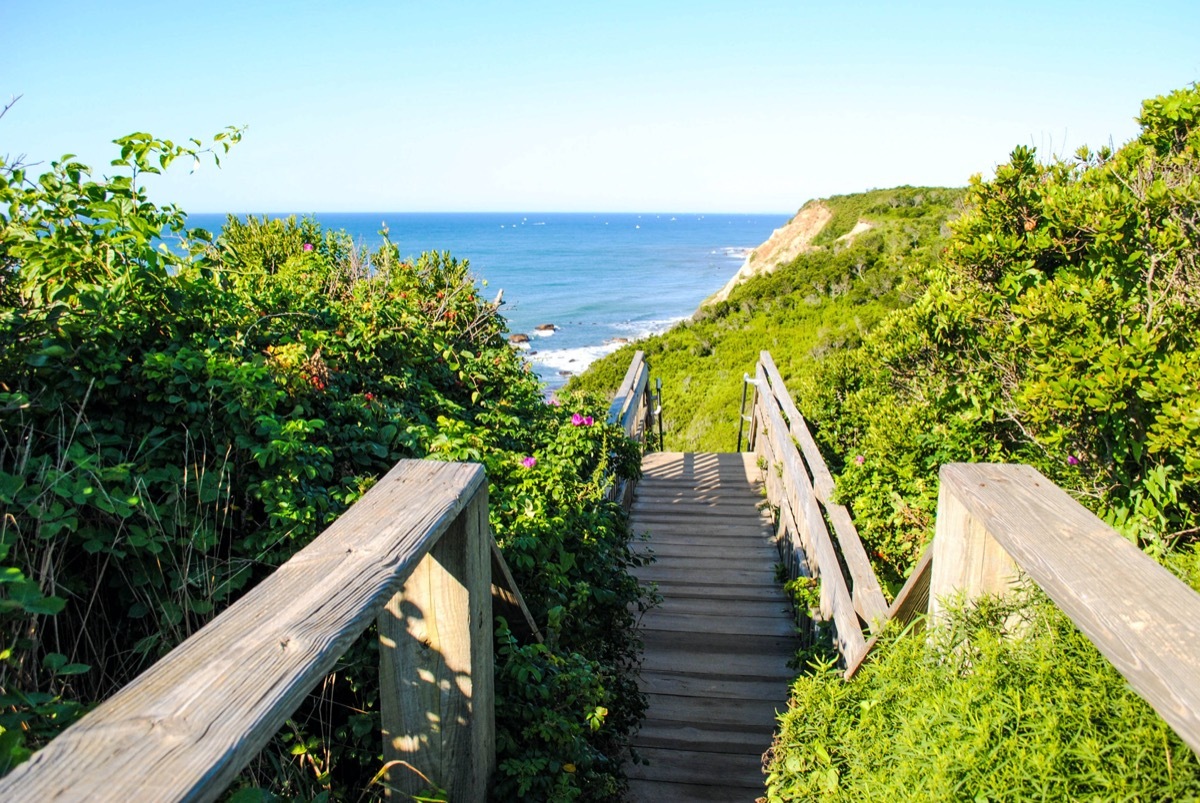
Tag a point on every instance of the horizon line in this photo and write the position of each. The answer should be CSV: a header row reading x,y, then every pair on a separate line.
x,y
478,212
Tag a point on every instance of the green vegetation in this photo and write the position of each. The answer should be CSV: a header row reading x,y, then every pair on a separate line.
x,y
173,427
826,300
1053,322
982,714
1060,331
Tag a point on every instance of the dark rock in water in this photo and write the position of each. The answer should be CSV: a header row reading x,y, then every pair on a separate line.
x,y
566,373
518,338
546,327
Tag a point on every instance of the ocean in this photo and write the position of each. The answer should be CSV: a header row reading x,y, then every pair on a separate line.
x,y
600,279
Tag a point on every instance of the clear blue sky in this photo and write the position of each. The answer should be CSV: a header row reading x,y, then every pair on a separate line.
x,y
613,106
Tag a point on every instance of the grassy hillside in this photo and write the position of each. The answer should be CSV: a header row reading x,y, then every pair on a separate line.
x,y
824,301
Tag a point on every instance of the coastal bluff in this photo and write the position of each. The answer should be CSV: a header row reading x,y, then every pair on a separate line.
x,y
785,244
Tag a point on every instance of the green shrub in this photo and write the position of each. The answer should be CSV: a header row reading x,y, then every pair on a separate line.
x,y
174,426
982,713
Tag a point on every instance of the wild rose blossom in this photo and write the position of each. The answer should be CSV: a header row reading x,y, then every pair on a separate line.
x,y
587,421
577,420
1072,460
307,247
529,462
859,459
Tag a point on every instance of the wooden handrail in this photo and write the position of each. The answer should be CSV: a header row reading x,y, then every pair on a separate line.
x,y
631,409
993,519
994,522
865,589
802,491
412,555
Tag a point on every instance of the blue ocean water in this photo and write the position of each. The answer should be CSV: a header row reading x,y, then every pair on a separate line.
x,y
597,277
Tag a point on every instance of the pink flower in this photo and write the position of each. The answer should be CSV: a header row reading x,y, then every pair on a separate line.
x,y
307,247
577,420
529,462
587,421
1072,460
554,402
859,459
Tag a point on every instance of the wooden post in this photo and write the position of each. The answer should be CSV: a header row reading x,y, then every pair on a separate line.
x,y
1140,616
435,666
966,558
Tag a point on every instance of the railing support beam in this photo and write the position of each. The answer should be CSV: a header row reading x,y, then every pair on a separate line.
x,y
435,666
966,559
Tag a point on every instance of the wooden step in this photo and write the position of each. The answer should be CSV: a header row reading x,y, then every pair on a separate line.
x,y
715,668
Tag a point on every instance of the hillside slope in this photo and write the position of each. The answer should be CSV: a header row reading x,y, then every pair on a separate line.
x,y
829,294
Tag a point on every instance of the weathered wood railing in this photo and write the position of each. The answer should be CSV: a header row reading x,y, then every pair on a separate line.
x,y
413,555
998,521
632,409
800,487
996,524
416,556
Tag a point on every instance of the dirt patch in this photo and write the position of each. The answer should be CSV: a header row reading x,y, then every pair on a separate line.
x,y
858,229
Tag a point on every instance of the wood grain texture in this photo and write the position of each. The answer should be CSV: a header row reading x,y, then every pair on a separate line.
x,y
621,397
185,728
821,478
865,590
966,559
1139,615
836,603
644,791
910,603
633,412
436,667
508,602
913,599
716,651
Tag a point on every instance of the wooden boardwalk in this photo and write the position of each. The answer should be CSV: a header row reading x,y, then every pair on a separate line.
x,y
717,648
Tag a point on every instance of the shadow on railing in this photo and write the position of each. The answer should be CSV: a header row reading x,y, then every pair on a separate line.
x,y
995,525
633,410
416,556
413,555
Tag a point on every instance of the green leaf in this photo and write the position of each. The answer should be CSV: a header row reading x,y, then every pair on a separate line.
x,y
46,606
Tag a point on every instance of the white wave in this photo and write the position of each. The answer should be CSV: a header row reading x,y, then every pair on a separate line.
x,y
640,329
574,360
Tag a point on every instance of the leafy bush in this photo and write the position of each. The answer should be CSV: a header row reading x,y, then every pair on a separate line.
x,y
178,422
1059,331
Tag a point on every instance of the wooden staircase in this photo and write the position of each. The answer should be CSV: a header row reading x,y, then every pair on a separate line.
x,y
717,648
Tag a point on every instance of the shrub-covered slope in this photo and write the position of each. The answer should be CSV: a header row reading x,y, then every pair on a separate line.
x,y
174,427
824,301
